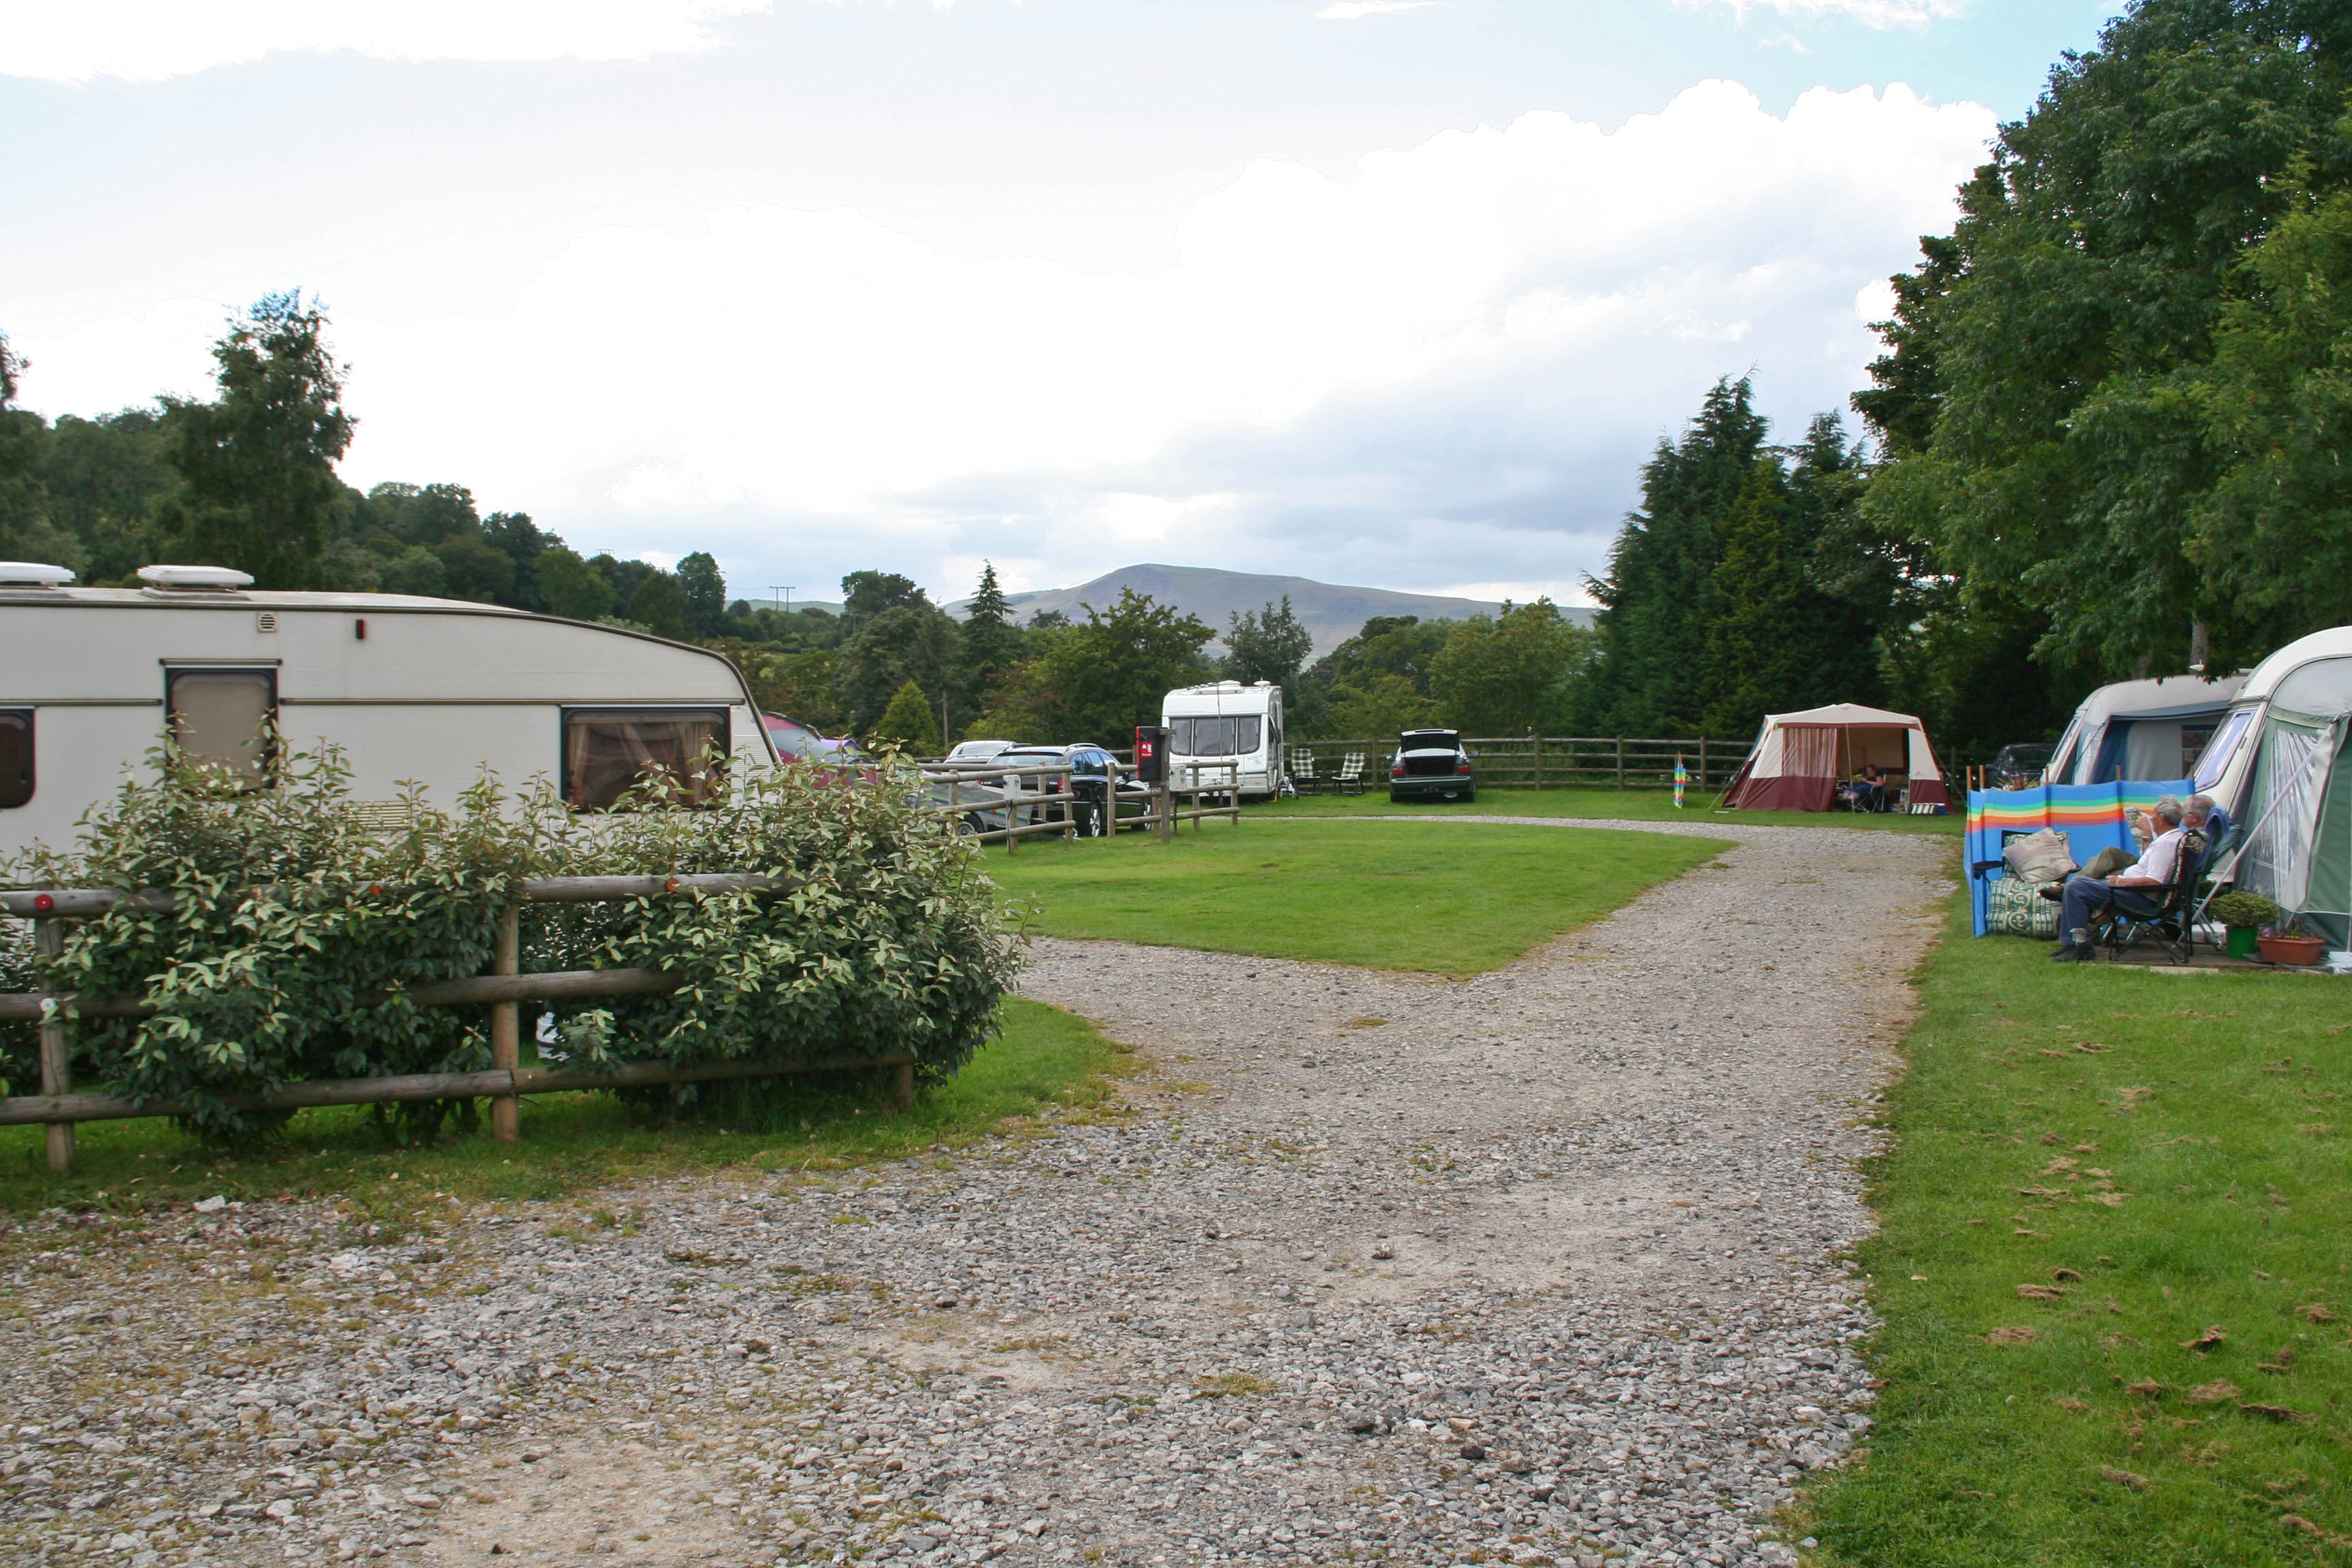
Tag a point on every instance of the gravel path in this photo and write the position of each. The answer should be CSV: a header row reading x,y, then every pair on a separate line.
x,y
1539,1266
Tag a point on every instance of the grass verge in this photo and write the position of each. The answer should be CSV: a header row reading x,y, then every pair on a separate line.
x,y
1624,805
1388,897
1046,1061
2113,1270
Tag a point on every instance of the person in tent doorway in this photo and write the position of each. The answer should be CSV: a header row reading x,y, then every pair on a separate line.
x,y
2138,891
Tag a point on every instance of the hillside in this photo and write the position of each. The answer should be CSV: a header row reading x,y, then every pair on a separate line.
x,y
1332,613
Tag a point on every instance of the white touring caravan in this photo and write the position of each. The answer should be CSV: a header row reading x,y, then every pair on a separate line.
x,y
427,689
1227,721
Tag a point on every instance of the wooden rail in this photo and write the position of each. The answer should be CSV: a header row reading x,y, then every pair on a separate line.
x,y
499,1083
71,903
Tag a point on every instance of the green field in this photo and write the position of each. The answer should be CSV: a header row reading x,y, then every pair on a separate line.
x,y
575,1143
1624,805
2152,1156
1450,899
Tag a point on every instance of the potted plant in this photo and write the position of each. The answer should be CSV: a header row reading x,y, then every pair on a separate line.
x,y
2292,944
2242,917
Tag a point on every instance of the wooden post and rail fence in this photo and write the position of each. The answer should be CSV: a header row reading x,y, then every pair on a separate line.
x,y
502,990
1538,761
1004,805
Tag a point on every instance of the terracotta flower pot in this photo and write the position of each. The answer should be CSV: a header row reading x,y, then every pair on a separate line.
x,y
2301,949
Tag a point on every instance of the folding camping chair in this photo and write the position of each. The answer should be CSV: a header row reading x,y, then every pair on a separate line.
x,y
2173,925
1302,772
1350,779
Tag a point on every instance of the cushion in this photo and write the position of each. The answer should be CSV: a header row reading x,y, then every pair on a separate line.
x,y
2040,856
2015,907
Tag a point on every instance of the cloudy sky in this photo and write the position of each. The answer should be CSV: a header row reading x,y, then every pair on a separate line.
x,y
1398,292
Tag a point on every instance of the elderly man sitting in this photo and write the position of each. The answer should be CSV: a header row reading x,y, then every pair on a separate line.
x,y
2139,890
2200,814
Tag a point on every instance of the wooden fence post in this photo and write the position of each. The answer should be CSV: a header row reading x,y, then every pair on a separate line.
x,y
1702,763
903,1087
1621,761
1539,760
57,1064
506,1036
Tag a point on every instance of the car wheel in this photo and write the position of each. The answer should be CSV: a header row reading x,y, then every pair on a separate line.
x,y
970,825
1470,795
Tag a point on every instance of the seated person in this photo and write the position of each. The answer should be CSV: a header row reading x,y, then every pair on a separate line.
x,y
2200,814
1867,789
2140,891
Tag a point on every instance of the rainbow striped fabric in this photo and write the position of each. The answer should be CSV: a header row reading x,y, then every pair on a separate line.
x,y
2090,816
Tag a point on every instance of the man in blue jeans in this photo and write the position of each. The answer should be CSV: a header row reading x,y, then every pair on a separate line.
x,y
2136,890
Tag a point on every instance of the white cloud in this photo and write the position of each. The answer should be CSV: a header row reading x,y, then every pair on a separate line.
x,y
1446,368
117,362
1356,10
150,40
1881,14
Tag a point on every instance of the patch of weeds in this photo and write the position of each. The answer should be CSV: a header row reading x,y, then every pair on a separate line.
x,y
1233,1384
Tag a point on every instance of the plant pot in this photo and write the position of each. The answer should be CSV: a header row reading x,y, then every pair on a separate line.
x,y
2238,941
2298,950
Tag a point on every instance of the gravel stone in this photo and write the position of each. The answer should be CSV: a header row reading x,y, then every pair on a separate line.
x,y
1536,1266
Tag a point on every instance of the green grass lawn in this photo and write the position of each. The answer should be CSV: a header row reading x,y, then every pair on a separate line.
x,y
2115,1270
1452,900
574,1143
1633,804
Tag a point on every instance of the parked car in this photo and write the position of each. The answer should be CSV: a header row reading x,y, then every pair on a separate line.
x,y
2018,766
794,741
1430,765
798,743
1090,802
966,753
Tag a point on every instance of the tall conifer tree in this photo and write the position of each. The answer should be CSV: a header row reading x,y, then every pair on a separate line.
x,y
1651,677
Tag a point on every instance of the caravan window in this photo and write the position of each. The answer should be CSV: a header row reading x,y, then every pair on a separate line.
x,y
226,717
16,756
1221,735
609,751
2215,760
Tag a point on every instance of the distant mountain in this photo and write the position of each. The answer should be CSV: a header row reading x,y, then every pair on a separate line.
x,y
1332,614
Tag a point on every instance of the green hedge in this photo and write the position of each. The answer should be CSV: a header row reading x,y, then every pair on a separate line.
x,y
297,909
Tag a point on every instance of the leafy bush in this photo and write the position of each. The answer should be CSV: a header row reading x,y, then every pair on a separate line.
x,y
2243,909
890,943
20,1044
295,915
299,919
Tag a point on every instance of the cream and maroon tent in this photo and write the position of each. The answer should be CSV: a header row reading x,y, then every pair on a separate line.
x,y
1800,758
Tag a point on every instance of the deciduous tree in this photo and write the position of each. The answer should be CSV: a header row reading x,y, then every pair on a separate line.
x,y
258,461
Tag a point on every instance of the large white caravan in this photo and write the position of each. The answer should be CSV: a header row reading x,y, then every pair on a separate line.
x,y
1227,721
433,691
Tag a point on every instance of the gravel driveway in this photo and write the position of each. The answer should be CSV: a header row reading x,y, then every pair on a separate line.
x,y
1539,1266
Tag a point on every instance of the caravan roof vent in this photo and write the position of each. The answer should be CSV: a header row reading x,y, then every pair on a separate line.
x,y
20,573
195,577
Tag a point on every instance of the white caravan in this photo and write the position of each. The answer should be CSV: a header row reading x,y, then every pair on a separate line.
x,y
433,691
1227,721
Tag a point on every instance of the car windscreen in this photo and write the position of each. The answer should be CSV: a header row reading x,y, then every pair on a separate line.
x,y
1216,735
